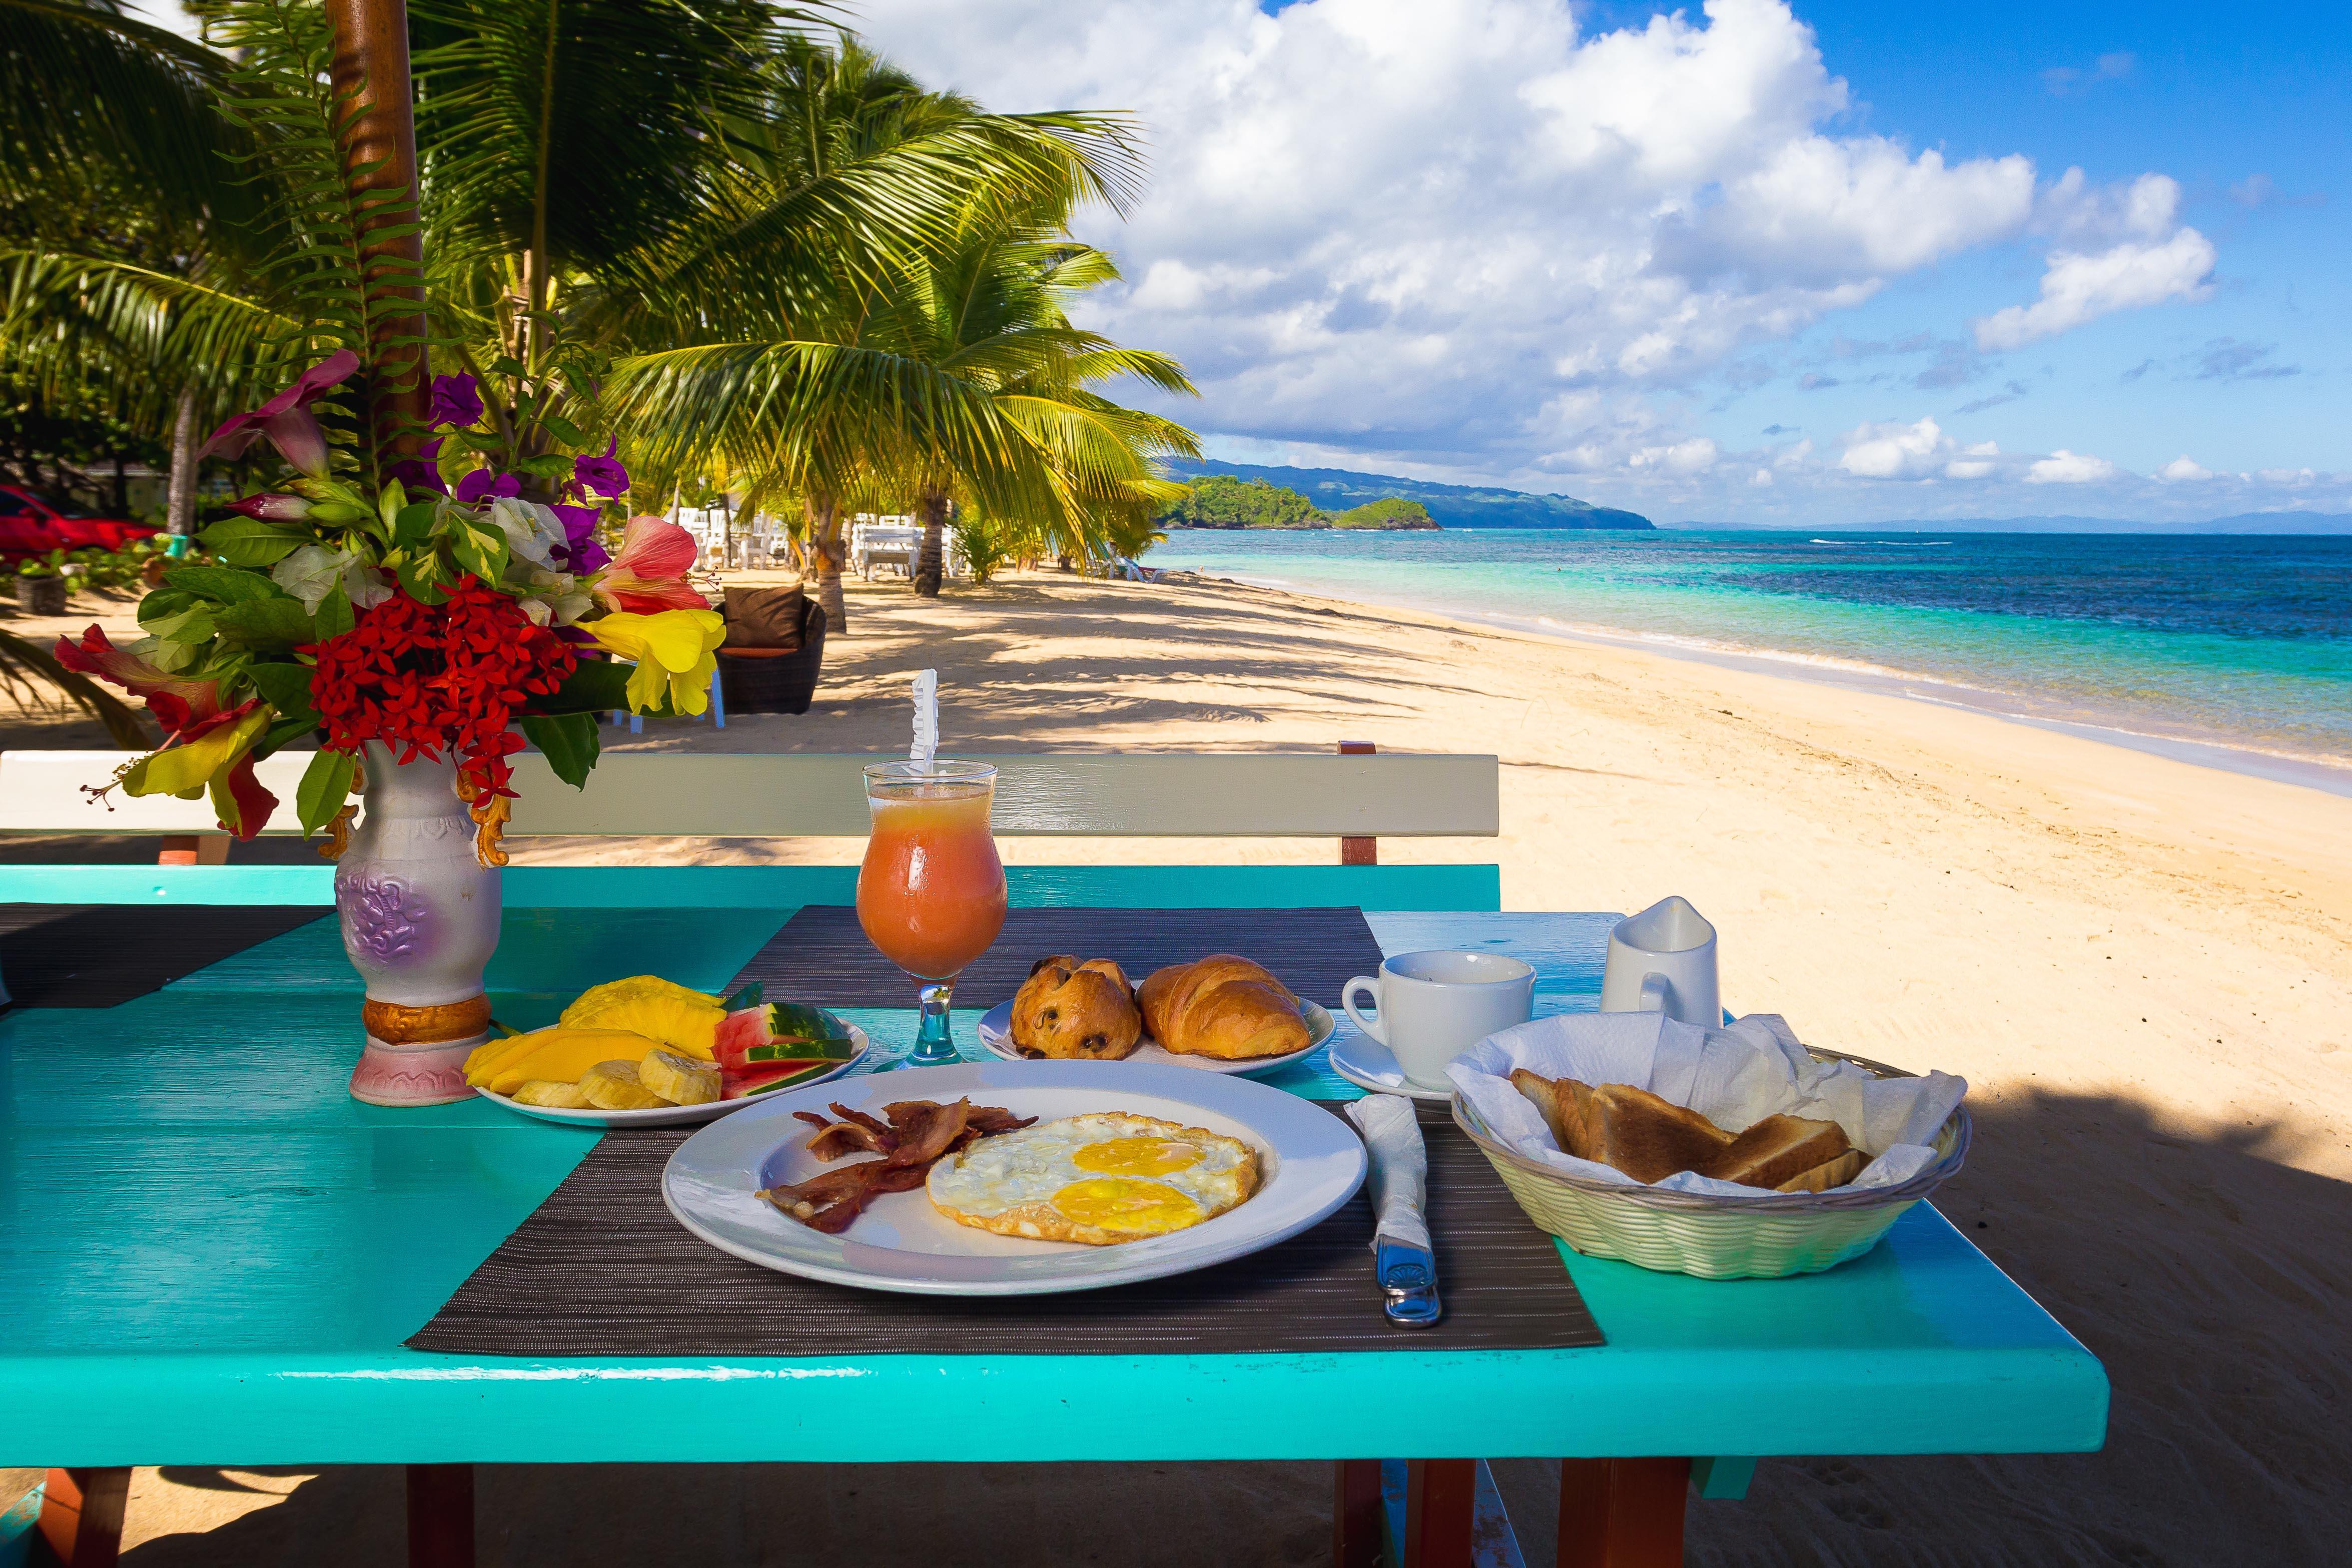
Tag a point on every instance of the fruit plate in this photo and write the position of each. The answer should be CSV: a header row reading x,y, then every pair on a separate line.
x,y
996,1039
679,1115
1311,1162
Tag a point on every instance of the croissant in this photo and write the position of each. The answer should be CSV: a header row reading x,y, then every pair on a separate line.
x,y
1075,1011
1222,1006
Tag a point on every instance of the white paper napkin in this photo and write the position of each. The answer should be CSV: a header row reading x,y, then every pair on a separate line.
x,y
1734,1077
1400,1163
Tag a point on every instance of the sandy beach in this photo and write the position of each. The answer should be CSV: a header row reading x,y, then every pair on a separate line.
x,y
2143,967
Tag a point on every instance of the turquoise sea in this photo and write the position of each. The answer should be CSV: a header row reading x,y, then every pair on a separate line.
x,y
2234,651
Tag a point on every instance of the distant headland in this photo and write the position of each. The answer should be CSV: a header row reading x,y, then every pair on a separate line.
x,y
1341,497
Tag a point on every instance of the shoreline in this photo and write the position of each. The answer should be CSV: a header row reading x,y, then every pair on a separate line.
x,y
2303,771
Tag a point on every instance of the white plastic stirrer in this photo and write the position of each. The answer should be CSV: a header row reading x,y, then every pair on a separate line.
x,y
927,717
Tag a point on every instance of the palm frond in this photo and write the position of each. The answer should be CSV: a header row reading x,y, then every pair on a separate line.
x,y
31,675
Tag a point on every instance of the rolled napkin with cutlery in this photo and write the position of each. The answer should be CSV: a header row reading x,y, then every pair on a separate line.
x,y
1403,1257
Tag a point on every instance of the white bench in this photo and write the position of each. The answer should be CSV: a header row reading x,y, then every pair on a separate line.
x,y
1354,795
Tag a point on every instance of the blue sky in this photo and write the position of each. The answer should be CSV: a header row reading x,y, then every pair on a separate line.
x,y
1732,261
1735,261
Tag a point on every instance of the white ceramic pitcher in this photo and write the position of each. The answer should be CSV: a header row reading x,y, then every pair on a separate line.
x,y
1663,961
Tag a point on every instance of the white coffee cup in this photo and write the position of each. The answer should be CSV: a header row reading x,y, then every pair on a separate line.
x,y
1663,961
1434,1006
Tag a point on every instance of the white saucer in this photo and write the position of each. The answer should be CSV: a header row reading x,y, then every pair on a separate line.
x,y
1366,1063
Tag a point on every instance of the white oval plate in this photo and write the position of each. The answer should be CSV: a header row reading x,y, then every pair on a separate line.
x,y
1311,1163
996,1039
1366,1063
674,1115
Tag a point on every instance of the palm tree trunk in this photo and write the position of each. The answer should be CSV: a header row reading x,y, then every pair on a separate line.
x,y
825,543
180,492
931,565
369,69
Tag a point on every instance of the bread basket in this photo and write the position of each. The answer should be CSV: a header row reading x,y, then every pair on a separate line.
x,y
1763,1238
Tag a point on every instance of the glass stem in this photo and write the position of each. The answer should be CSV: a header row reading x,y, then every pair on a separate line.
x,y
934,1046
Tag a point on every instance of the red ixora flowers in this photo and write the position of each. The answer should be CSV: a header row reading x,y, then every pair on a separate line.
x,y
425,678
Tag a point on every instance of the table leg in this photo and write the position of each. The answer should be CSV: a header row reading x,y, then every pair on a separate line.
x,y
81,1516
440,1516
1356,1514
1441,1504
1621,1513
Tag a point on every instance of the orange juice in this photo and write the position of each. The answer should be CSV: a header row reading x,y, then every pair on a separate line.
x,y
930,892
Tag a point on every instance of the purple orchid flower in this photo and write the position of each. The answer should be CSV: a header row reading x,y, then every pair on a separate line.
x,y
423,471
456,400
482,483
272,508
602,476
285,419
580,550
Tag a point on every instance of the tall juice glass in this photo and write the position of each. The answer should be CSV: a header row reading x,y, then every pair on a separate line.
x,y
930,892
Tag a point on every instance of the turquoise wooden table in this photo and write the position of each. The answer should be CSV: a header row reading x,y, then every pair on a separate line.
x,y
210,1254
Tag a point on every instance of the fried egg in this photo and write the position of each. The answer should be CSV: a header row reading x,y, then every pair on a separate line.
x,y
1102,1178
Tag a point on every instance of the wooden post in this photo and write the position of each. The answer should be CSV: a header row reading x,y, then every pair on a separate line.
x,y
1621,1513
1359,851
370,75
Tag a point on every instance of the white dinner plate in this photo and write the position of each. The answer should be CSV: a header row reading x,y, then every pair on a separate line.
x,y
1366,1063
677,1115
996,1039
1312,1162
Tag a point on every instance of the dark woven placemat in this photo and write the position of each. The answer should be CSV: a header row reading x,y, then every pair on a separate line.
x,y
821,956
602,1269
101,955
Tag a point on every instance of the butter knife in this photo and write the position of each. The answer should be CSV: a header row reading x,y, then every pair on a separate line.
x,y
1404,1260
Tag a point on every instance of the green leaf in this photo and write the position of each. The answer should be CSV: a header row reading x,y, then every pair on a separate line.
x,y
414,526
562,430
285,687
266,622
222,584
570,741
326,784
507,365
420,578
193,625
283,733
249,541
335,615
546,467
479,551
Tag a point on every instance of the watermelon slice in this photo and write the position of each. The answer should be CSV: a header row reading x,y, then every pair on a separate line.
x,y
779,1032
768,1078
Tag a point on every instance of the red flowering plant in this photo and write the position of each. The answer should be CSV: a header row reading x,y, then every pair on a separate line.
x,y
433,620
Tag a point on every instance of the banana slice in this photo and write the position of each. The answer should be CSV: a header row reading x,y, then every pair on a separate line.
x,y
614,1086
551,1095
680,1080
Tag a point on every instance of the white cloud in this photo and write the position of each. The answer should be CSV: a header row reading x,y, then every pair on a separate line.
x,y
1896,451
2064,467
1977,462
2183,470
1418,230
2142,258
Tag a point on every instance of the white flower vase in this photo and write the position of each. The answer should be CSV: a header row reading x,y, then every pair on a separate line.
x,y
420,919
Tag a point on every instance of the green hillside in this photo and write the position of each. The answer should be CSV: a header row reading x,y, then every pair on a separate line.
x,y
1452,506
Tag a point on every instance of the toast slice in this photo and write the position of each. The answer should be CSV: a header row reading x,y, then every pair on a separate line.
x,y
1776,1150
1618,1125
1829,1173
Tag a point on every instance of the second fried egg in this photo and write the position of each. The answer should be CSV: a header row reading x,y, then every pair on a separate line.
x,y
1102,1178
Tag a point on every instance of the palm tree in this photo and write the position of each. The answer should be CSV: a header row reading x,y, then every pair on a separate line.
x,y
949,370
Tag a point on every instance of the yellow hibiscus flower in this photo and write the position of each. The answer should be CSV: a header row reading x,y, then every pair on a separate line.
x,y
675,653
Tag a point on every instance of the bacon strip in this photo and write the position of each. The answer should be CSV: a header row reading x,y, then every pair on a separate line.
x,y
918,1133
